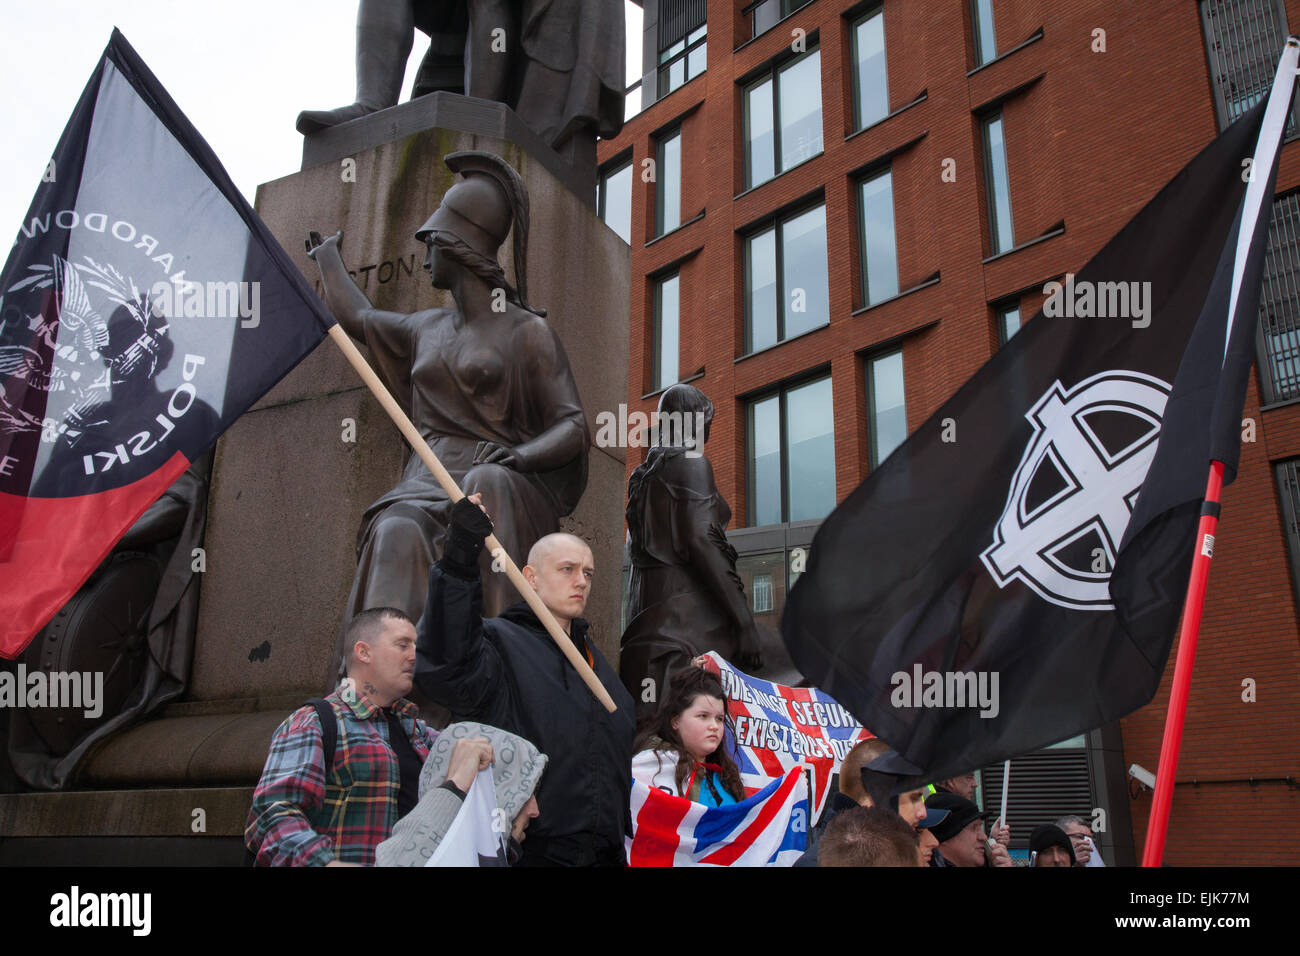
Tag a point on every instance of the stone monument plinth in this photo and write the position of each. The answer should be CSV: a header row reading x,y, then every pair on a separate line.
x,y
293,476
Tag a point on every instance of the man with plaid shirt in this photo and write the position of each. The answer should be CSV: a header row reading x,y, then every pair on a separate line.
x,y
298,818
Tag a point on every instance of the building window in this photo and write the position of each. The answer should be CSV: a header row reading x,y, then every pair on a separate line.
x,y
1288,491
792,454
1008,321
871,85
667,345
766,14
1279,305
683,36
762,593
783,118
614,198
986,44
876,238
1244,41
997,184
785,280
668,183
887,407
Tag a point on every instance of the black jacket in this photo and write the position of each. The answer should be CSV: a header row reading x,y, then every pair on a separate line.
x,y
506,671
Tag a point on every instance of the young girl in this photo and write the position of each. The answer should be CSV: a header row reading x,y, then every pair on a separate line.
x,y
682,751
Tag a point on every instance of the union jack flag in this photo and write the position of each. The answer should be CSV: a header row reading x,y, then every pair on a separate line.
x,y
779,727
769,828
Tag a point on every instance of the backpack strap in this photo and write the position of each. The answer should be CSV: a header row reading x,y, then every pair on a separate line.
x,y
329,735
329,731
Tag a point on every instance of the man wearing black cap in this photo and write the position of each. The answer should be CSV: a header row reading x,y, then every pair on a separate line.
x,y
961,835
1049,845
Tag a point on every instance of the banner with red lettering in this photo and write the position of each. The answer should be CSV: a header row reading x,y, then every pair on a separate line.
x,y
779,727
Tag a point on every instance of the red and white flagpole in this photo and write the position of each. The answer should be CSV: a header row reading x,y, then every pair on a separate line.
x,y
1269,142
1154,850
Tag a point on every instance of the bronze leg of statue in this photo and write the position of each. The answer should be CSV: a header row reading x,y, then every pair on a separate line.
x,y
491,47
385,31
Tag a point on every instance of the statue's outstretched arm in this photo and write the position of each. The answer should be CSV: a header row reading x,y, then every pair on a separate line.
x,y
345,301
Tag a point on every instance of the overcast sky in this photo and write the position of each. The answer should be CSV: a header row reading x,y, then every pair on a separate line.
x,y
240,69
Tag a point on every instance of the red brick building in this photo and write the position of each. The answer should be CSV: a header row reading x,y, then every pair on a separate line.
x,y
837,211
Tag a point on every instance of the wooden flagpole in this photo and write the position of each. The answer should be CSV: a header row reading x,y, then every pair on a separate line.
x,y
417,442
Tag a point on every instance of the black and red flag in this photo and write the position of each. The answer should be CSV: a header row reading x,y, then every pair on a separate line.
x,y
986,596
144,307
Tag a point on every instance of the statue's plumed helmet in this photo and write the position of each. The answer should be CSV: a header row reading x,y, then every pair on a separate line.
x,y
475,210
482,207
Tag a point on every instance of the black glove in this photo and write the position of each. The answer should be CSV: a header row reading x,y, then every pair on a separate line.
x,y
465,533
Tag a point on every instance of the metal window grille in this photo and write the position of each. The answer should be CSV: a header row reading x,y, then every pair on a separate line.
x,y
1279,304
762,593
1244,40
1045,786
1288,492
683,43
677,18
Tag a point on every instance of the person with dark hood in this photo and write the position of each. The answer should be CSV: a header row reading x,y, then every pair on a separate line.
x,y
1049,845
684,596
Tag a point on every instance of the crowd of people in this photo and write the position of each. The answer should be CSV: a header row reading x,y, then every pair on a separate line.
x,y
358,778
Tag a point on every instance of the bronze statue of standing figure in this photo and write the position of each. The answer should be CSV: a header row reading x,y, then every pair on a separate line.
x,y
684,596
488,385
557,63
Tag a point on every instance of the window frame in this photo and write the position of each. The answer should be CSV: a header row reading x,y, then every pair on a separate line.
x,y
1278,326
781,393
977,33
1217,68
663,67
657,351
776,224
785,8
874,459
990,187
864,286
876,11
1286,484
1000,312
772,74
605,173
766,578
661,141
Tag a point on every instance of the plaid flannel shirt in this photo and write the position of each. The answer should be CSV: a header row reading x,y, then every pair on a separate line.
x,y
297,819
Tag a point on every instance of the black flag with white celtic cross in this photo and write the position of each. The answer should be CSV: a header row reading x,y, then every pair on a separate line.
x,y
143,307
984,597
